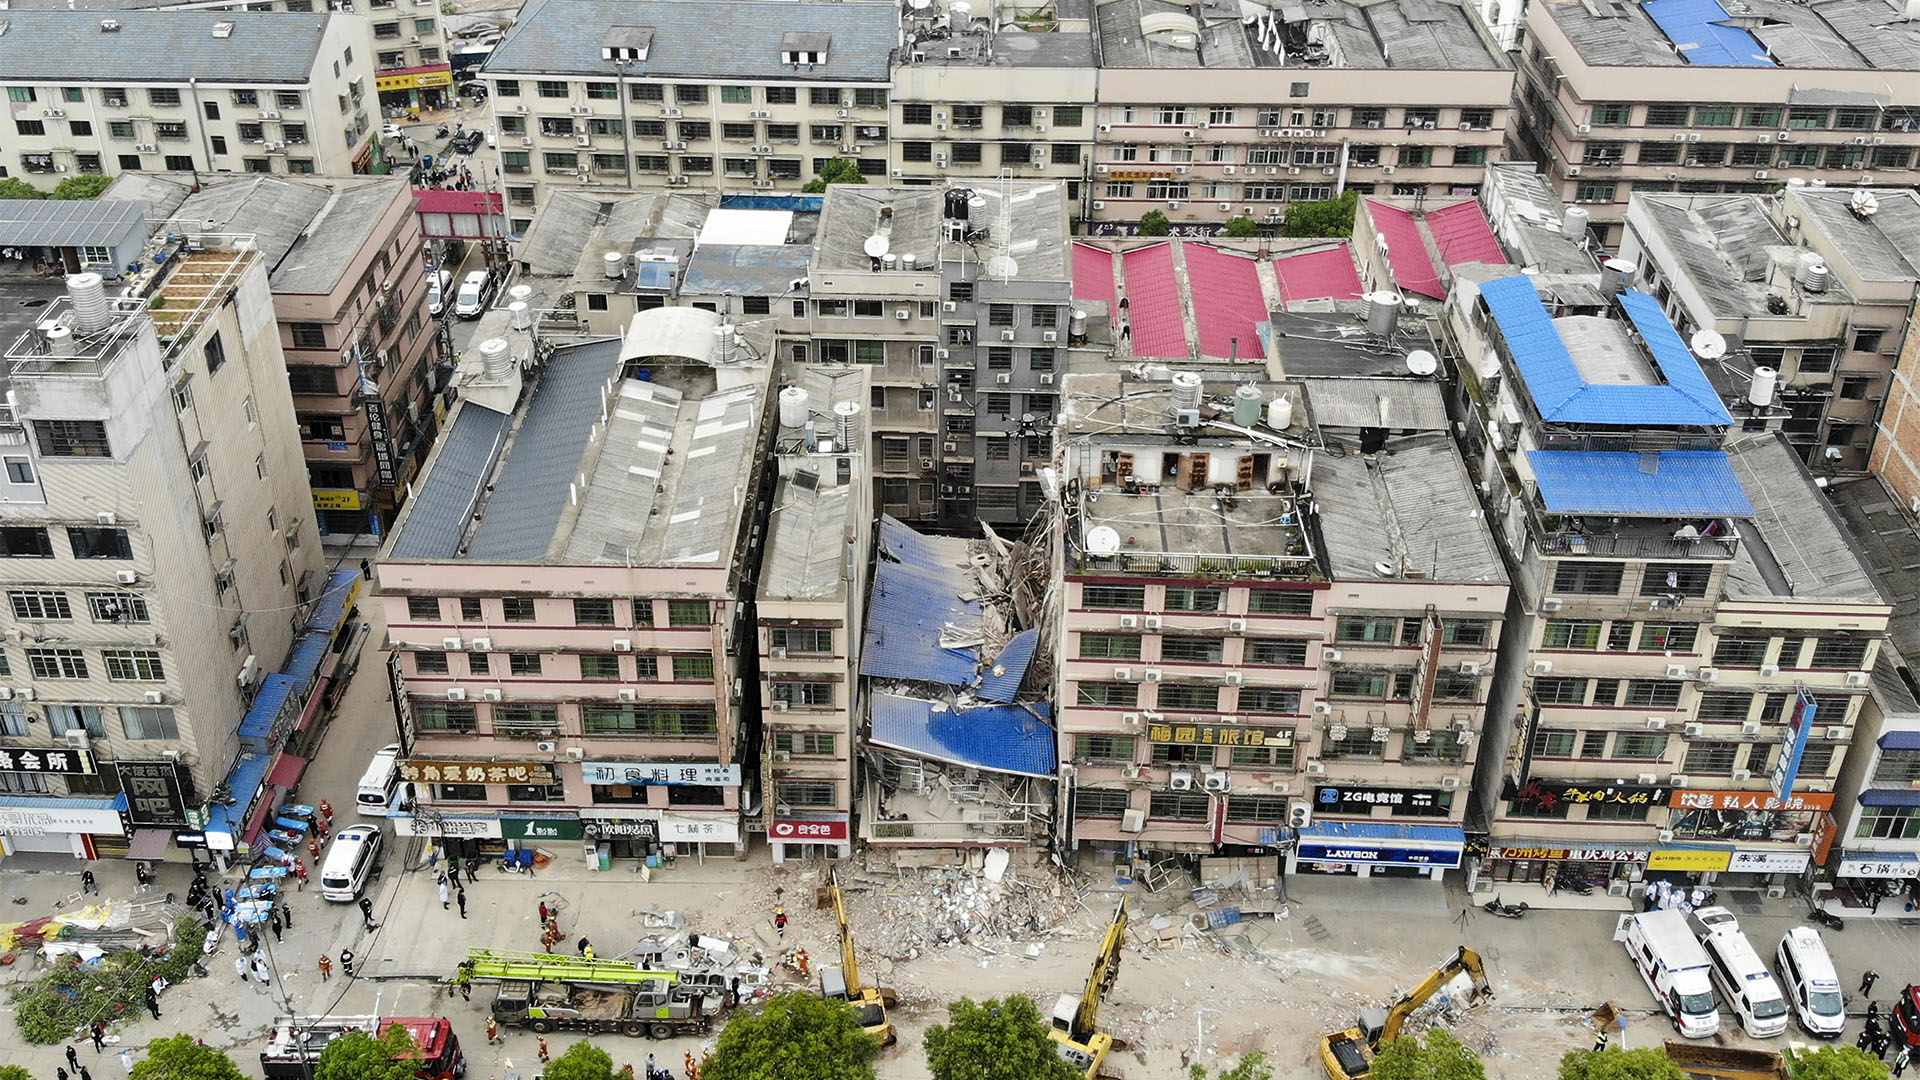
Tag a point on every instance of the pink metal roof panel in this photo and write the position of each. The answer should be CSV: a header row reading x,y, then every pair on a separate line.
x,y
1413,271
1463,235
1327,274
1159,330
1092,274
1228,302
445,201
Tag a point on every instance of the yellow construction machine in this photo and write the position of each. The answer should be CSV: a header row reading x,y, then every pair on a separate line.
x,y
1348,1054
843,983
1076,1020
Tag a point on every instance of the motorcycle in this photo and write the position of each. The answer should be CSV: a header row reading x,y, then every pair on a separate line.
x,y
442,132
1826,918
1506,911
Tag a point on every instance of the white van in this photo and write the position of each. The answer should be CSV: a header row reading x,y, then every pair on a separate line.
x,y
374,797
1812,983
472,301
438,282
1745,984
352,859
1675,969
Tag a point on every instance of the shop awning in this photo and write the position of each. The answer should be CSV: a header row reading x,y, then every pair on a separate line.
x,y
149,845
1900,740
1890,797
287,771
1424,835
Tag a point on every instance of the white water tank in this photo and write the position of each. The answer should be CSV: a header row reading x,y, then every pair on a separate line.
x,y
1760,390
521,294
723,343
1573,223
793,407
1077,326
1811,272
59,339
1280,412
614,265
1383,313
496,359
89,294
844,415
518,316
1614,275
1246,405
1186,391
907,261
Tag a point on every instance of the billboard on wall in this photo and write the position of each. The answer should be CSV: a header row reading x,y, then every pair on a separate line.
x,y
1794,743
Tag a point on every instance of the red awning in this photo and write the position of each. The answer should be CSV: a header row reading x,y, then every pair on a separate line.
x,y
314,701
257,819
287,771
149,845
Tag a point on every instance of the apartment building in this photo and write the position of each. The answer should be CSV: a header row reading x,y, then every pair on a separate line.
x,y
1638,98
810,612
160,543
973,100
345,266
1776,278
962,298
407,40
164,90
730,97
1205,117
567,594
1691,627
1874,837
1259,636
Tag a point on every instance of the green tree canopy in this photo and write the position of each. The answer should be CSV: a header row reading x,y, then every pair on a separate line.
x,y
582,1061
14,1072
996,1039
1155,223
1836,1063
1242,227
836,171
796,1036
359,1056
82,187
15,188
1331,218
1441,1057
1649,1063
181,1057
1251,1067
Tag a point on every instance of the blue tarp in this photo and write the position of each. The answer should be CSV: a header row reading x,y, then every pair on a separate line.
x,y
1383,830
1890,797
244,781
998,738
1900,740
1700,34
277,692
1001,681
1563,395
1676,483
917,582
799,204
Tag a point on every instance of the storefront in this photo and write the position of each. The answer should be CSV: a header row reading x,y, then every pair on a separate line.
x,y
1613,867
541,833
1377,849
1688,863
424,87
823,836
701,835
623,837
1769,867
469,837
60,826
1882,865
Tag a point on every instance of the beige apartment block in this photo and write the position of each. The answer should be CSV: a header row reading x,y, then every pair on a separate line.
x,y
159,536
185,91
1617,102
732,97
1208,117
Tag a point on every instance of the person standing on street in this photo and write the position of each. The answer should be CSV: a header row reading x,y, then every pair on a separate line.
x,y
1600,1040
1901,1059
273,924
326,967
463,903
543,913
99,1035
346,962
153,1003
87,884
1866,982
241,969
366,912
445,900
73,1058
300,875
780,921
544,1056
286,917
493,1031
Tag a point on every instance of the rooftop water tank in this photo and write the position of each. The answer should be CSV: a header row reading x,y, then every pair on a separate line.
x,y
1247,402
496,359
793,407
1186,391
89,294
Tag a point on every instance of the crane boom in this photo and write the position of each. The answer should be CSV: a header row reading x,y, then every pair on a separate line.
x,y
489,965
849,964
1100,979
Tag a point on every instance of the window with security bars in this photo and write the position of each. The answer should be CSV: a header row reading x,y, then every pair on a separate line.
x,y
1191,650
1653,693
1668,637
801,639
1113,597
1357,744
1180,806
134,665
1265,757
1571,634
1195,599
1100,803
1439,748
1109,646
1722,705
1279,602
1588,578
1110,694
1560,690
804,695
1269,699
1175,696
593,612
1710,758
1277,653
1640,745
805,743
1675,579
57,663
40,605
663,720
72,438
1848,653
1103,748
1257,809
444,717
1548,743
1740,651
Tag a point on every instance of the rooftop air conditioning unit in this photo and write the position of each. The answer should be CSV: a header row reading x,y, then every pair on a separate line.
x,y
480,644
622,644
491,693
1181,780
456,694
1316,768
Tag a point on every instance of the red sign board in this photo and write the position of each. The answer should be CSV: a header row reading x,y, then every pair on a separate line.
x,y
805,831
1751,800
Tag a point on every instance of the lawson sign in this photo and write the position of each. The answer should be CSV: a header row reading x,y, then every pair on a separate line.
x,y
1338,853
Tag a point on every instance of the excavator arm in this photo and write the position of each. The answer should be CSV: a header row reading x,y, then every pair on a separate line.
x,y
1100,978
1464,959
849,964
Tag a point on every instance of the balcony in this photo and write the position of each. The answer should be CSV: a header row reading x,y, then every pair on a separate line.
x,y
1637,538
1168,532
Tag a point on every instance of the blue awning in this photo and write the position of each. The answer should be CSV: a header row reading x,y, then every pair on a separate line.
x,y
1900,740
1675,483
1425,835
276,692
333,604
1890,797
1846,855
244,781
998,738
55,802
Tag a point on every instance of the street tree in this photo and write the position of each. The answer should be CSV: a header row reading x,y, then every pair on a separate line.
x,y
836,171
14,1072
1836,1063
1440,1057
1253,1066
582,1061
82,187
996,1039
1155,223
360,1056
1239,227
797,1036
183,1057
1647,1063
15,188
1331,218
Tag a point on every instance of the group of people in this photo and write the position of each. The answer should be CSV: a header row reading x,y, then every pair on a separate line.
x,y
1664,895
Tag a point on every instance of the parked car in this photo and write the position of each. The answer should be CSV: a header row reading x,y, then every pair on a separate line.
x,y
467,141
475,289
438,282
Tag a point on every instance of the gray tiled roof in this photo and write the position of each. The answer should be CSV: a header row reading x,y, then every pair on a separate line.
x,y
1796,545
802,561
1878,520
70,222
708,40
1412,507
1884,247
1835,34
163,192
335,236
159,46
445,496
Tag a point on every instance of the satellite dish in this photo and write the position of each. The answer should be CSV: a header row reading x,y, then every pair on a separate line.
x,y
876,245
1422,362
1708,345
1002,266
1103,540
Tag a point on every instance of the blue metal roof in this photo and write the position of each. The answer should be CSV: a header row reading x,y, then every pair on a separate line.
x,y
1563,395
917,582
1699,32
1382,830
332,606
998,738
1001,681
277,694
55,802
244,781
1676,483
309,651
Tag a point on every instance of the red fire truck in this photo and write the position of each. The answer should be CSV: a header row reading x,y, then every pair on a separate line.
x,y
295,1046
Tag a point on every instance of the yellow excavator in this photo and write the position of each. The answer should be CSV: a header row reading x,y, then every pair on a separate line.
x,y
1076,1020
843,983
1348,1054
